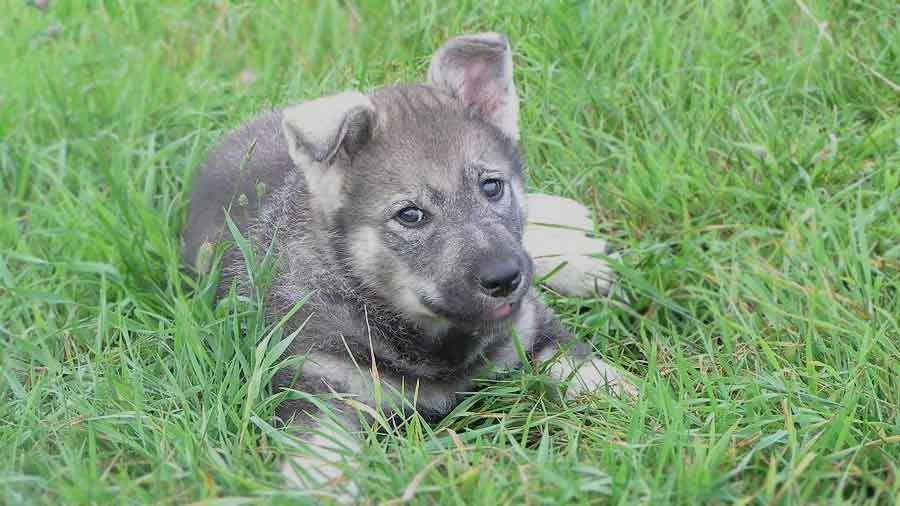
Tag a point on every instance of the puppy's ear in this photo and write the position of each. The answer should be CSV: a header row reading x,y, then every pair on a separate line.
x,y
478,70
317,130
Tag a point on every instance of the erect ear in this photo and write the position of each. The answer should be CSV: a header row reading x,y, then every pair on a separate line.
x,y
317,130
478,70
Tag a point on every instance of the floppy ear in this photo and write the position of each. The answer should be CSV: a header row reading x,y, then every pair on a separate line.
x,y
478,70
318,129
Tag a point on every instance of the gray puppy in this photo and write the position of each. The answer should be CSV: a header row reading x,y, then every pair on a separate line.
x,y
401,213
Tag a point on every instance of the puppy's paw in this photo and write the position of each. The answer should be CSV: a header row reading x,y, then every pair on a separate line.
x,y
318,468
315,474
590,375
577,276
558,211
595,374
563,254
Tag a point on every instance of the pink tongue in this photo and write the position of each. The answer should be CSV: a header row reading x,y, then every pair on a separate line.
x,y
502,311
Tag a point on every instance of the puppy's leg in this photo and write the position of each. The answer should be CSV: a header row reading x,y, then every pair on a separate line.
x,y
329,447
573,364
328,451
556,238
584,372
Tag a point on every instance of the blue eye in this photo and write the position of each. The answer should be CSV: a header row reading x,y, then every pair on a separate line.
x,y
492,188
410,216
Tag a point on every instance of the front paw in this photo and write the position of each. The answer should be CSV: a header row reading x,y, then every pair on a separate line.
x,y
591,375
563,254
319,469
312,474
595,374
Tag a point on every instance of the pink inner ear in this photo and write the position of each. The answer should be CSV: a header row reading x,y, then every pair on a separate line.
x,y
479,91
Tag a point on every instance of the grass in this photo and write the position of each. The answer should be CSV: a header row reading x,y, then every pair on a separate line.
x,y
744,155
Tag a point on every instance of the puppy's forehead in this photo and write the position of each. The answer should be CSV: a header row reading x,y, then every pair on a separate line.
x,y
424,137
437,185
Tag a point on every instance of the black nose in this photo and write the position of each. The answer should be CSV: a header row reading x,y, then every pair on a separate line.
x,y
499,277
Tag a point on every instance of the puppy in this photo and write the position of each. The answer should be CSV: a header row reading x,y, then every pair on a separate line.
x,y
400,214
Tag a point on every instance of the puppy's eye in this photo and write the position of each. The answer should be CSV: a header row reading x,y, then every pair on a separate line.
x,y
492,188
410,216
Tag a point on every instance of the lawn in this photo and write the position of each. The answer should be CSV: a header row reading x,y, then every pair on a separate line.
x,y
743,156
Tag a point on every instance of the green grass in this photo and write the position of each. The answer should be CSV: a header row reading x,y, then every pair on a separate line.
x,y
746,162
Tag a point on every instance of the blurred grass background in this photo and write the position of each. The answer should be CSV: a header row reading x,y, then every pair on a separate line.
x,y
745,156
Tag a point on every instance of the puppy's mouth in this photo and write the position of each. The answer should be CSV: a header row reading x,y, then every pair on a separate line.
x,y
489,311
502,311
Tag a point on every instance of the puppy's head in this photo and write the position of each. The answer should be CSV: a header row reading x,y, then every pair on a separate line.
x,y
423,187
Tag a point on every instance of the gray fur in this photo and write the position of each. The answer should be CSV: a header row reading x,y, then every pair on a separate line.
x,y
405,297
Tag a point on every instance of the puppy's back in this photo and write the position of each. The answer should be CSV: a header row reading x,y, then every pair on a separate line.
x,y
248,163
